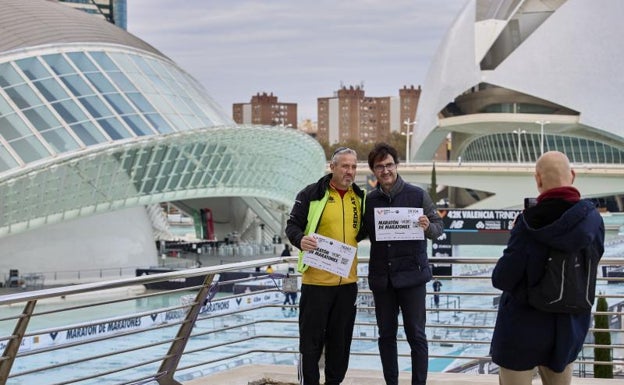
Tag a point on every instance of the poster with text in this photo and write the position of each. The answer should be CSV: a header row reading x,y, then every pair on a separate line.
x,y
331,255
398,224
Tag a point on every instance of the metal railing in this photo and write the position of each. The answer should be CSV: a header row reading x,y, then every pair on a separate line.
x,y
183,260
116,332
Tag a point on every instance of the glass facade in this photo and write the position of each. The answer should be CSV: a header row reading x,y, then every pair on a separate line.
x,y
220,162
526,147
112,127
92,130
56,103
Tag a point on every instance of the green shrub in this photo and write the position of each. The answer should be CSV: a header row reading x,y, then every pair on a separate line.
x,y
433,187
601,321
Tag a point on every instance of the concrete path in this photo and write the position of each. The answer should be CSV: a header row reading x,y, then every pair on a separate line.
x,y
287,375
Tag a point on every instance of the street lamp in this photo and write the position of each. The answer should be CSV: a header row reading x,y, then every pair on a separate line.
x,y
542,123
519,132
408,133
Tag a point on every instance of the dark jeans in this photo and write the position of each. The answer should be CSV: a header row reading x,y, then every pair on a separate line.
x,y
290,298
326,319
411,302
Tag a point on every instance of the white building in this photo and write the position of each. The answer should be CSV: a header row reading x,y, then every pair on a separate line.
x,y
515,78
97,127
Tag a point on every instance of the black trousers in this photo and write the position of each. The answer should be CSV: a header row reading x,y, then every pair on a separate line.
x,y
326,319
411,302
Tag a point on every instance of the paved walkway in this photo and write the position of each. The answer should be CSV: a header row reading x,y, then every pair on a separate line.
x,y
287,375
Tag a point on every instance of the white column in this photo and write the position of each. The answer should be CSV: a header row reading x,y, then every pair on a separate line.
x,y
542,123
519,132
408,134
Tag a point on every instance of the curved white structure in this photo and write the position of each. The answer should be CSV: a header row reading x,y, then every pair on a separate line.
x,y
96,124
513,79
548,70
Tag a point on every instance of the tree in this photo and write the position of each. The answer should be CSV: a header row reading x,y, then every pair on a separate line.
x,y
601,321
433,188
396,140
362,149
326,148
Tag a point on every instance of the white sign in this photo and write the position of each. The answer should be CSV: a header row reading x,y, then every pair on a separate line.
x,y
398,224
110,327
331,255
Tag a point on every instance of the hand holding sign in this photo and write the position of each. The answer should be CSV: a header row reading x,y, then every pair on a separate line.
x,y
398,224
330,255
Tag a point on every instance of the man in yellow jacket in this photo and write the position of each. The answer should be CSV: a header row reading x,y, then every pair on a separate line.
x,y
331,207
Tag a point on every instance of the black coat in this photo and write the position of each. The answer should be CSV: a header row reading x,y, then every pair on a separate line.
x,y
525,337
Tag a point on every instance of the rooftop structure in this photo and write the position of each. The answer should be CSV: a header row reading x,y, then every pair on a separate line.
x,y
113,11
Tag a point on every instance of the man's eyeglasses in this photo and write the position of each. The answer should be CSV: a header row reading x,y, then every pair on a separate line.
x,y
387,166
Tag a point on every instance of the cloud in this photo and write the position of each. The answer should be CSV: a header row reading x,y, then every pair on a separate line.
x,y
299,50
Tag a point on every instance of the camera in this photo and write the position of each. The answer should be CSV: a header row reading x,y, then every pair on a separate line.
x,y
529,202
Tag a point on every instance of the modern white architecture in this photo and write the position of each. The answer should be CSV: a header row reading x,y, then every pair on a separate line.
x,y
515,78
96,125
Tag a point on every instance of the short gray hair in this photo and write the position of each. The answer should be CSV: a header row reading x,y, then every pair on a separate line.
x,y
342,151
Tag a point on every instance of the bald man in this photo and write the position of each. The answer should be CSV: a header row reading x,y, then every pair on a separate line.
x,y
525,338
553,170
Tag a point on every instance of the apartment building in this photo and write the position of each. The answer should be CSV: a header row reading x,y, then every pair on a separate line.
x,y
351,115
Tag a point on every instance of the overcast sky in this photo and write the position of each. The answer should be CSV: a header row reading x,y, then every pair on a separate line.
x,y
299,50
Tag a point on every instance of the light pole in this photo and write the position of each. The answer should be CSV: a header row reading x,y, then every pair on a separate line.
x,y
408,133
519,132
542,123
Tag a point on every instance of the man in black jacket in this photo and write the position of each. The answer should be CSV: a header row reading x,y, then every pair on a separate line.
x,y
332,208
399,268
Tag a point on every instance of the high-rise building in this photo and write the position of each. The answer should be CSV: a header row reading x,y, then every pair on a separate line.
x,y
408,100
114,11
351,115
265,109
